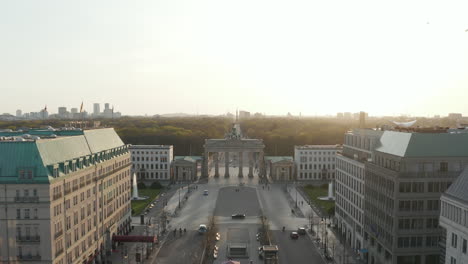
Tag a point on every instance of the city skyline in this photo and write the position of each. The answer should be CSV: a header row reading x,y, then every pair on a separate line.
x,y
268,56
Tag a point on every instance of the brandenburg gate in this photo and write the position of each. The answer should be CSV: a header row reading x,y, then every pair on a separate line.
x,y
234,143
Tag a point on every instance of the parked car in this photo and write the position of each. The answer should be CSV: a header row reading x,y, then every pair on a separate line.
x,y
205,192
301,231
294,235
238,216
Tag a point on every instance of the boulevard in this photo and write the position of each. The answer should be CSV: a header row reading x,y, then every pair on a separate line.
x,y
252,199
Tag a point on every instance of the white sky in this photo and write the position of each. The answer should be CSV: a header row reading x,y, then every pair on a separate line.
x,y
211,56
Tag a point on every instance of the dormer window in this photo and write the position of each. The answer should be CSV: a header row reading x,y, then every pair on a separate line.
x,y
55,172
25,174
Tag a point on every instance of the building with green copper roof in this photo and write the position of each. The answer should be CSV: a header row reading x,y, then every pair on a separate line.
x,y
63,195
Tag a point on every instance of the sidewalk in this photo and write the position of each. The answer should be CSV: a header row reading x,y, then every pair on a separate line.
x,y
328,235
148,252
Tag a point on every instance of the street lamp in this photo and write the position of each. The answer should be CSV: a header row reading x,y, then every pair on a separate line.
x,y
179,197
295,185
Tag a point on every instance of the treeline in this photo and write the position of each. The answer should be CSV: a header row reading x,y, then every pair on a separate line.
x,y
188,134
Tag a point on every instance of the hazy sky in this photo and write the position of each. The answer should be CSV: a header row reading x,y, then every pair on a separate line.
x,y
211,56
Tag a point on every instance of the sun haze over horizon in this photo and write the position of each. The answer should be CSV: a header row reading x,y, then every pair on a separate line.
x,y
211,56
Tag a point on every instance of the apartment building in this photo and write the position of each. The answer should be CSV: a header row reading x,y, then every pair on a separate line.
x,y
152,162
404,181
349,188
315,162
454,219
62,198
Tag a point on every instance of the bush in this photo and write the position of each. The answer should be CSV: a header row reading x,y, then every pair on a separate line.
x,y
156,185
141,185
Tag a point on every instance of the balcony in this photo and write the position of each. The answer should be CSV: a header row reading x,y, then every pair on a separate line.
x,y
29,257
57,196
26,199
67,191
28,238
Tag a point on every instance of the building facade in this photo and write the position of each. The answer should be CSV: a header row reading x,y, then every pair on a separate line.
x,y
403,184
185,168
280,168
63,198
315,162
349,188
454,220
152,162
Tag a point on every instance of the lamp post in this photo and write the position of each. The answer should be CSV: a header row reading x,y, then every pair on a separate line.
x,y
295,185
179,197
323,232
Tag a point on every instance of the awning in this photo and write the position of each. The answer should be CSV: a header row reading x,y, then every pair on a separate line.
x,y
144,239
364,250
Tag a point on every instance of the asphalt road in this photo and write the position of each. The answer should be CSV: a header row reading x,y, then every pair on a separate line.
x,y
244,201
297,251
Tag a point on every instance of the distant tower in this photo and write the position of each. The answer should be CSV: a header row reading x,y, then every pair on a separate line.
x,y
362,119
237,115
106,106
19,113
96,109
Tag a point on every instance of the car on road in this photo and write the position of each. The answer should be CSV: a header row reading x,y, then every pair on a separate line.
x,y
294,235
238,216
205,192
202,229
301,231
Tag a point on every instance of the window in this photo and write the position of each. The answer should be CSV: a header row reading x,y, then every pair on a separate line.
x,y
432,241
432,223
405,187
454,240
18,213
433,205
26,213
444,166
464,246
453,260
